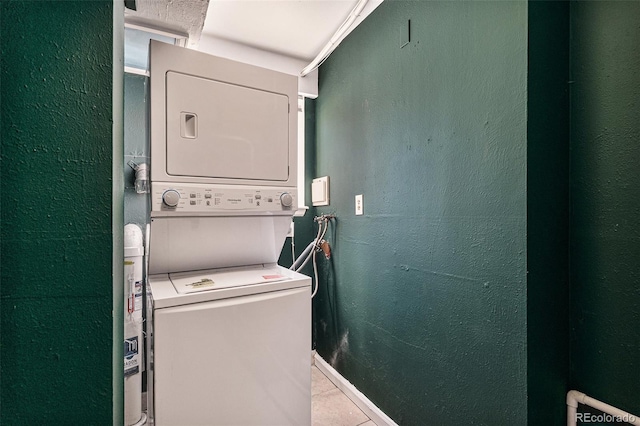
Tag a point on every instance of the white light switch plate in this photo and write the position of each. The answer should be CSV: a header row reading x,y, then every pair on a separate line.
x,y
320,191
359,205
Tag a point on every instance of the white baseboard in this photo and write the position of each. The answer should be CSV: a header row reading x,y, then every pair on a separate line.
x,y
358,398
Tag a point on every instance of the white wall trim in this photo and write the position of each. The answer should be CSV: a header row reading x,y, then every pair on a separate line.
x,y
358,398
117,213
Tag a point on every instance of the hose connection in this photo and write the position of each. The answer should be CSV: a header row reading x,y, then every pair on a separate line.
x,y
326,248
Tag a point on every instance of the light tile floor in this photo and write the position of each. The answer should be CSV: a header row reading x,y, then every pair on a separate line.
x,y
331,407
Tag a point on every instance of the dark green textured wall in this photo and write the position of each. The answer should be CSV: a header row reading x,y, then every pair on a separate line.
x,y
548,212
56,159
605,218
423,307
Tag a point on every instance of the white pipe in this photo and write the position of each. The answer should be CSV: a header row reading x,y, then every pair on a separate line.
x,y
574,398
143,420
335,40
571,414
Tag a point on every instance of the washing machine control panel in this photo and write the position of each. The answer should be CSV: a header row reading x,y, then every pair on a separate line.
x,y
204,198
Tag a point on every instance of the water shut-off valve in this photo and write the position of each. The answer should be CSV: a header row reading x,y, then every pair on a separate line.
x,y
324,244
142,177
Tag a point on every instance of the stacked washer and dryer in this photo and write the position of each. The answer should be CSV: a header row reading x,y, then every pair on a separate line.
x,y
230,330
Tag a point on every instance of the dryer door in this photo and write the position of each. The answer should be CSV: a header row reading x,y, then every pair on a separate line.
x,y
217,121
223,130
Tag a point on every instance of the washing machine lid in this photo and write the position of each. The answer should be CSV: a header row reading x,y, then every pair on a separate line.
x,y
216,279
227,283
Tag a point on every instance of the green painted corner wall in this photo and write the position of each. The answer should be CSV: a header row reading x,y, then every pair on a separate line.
x,y
136,147
304,231
605,207
423,307
462,128
548,212
56,248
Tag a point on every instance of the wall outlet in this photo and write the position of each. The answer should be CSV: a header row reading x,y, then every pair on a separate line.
x,y
359,205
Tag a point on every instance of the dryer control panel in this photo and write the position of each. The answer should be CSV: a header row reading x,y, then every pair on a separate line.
x,y
212,199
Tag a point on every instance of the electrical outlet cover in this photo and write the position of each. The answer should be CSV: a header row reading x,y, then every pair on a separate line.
x,y
359,205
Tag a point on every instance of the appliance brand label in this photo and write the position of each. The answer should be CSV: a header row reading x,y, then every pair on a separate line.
x,y
131,356
205,282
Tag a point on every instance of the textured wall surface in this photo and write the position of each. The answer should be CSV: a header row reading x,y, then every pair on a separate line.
x,y
136,147
548,212
56,295
605,206
423,307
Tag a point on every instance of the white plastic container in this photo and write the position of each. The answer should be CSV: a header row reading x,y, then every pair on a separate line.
x,y
133,343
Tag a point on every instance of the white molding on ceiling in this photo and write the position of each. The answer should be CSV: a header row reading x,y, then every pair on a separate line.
x,y
361,10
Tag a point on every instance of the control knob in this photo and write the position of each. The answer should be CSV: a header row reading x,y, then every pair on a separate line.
x,y
171,197
286,199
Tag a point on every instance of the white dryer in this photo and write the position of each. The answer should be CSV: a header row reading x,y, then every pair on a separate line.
x,y
230,329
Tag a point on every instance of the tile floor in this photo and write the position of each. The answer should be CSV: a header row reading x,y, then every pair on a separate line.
x,y
331,407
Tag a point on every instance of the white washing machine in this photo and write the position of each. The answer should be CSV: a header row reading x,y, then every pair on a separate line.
x,y
230,329
231,347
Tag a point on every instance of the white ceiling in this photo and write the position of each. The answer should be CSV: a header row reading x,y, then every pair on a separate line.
x,y
284,35
183,17
294,28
